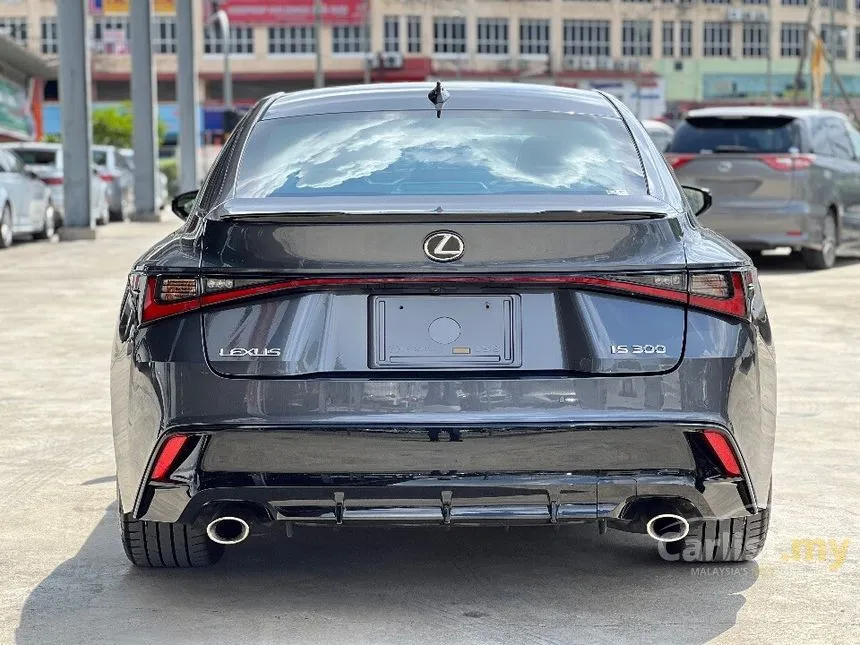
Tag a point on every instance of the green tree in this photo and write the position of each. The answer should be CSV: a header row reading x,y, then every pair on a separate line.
x,y
113,126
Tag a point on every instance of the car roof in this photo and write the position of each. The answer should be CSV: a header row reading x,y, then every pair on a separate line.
x,y
463,96
650,125
31,145
761,110
103,148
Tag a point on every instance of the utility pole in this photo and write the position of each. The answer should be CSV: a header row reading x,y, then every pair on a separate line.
x,y
367,43
187,97
769,59
319,76
833,46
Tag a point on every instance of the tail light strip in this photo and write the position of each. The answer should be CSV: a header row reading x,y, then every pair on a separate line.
x,y
723,293
779,162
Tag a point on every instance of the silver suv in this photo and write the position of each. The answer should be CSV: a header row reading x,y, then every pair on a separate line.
x,y
779,177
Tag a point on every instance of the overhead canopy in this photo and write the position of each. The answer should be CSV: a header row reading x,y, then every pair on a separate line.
x,y
19,63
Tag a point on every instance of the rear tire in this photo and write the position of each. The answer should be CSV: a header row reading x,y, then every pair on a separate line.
x,y
166,545
6,235
731,540
825,257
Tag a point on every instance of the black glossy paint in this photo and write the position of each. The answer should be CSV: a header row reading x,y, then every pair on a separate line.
x,y
570,427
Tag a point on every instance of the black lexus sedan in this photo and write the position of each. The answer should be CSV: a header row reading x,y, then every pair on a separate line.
x,y
442,304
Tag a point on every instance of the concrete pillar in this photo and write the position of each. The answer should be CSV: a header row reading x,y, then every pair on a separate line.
x,y
187,96
143,101
76,121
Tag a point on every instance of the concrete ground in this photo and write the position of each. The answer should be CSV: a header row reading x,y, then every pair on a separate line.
x,y
64,578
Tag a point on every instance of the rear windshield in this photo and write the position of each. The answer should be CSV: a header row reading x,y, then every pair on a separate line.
x,y
461,153
36,157
736,134
100,157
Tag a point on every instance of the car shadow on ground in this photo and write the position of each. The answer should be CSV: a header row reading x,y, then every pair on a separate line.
x,y
396,585
788,264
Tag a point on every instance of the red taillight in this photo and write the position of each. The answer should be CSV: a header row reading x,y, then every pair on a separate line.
x,y
723,452
53,181
719,292
676,160
786,163
108,176
724,293
166,460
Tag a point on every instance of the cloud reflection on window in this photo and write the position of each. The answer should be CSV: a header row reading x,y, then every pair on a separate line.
x,y
463,153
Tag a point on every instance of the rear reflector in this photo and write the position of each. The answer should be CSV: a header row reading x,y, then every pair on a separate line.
x,y
53,181
723,452
723,293
167,457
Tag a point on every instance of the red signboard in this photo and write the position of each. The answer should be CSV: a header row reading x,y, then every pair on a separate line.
x,y
293,12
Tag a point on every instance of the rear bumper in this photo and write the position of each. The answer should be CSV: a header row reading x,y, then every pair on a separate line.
x,y
759,226
448,475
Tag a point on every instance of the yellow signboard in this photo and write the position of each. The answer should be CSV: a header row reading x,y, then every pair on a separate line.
x,y
115,7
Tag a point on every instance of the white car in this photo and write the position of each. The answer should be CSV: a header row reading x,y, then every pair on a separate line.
x,y
661,133
26,207
46,161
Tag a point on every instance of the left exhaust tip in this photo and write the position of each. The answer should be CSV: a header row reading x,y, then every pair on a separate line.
x,y
228,530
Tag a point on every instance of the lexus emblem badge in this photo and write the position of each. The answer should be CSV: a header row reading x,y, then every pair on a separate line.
x,y
444,246
724,166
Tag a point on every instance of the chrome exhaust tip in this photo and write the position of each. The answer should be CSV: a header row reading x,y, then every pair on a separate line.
x,y
228,530
667,527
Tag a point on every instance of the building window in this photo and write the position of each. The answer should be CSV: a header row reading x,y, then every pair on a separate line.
x,y
292,40
164,35
391,33
636,0
791,37
716,38
493,36
111,34
794,3
50,40
241,40
686,39
839,5
15,29
348,39
636,38
534,36
717,1
835,39
857,43
586,38
413,34
755,43
449,35
668,39
756,1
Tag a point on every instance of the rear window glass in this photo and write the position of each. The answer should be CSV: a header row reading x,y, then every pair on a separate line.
x,y
100,157
742,134
461,153
36,157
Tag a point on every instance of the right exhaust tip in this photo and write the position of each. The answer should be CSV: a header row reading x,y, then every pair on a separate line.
x,y
667,527
228,530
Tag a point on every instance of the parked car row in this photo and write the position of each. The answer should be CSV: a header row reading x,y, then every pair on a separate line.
x,y
778,177
31,188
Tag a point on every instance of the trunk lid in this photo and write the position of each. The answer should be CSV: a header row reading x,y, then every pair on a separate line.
x,y
522,298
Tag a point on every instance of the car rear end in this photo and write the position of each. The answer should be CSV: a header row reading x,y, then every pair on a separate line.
x,y
336,345
756,166
106,168
47,164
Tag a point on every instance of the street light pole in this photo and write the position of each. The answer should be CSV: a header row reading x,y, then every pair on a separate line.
x,y
220,16
319,77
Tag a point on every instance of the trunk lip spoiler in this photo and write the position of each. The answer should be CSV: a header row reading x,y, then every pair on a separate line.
x,y
406,217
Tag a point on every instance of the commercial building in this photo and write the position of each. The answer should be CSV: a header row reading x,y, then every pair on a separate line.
x,y
702,50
